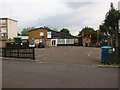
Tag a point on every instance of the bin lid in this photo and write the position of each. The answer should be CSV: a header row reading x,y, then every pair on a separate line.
x,y
106,47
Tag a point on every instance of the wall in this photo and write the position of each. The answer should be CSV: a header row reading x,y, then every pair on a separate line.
x,y
35,34
2,44
12,28
86,40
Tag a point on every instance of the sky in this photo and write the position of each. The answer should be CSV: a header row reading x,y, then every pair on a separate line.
x,y
71,14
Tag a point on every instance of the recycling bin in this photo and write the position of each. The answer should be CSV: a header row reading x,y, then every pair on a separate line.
x,y
106,54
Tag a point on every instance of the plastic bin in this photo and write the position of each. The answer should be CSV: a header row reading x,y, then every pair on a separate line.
x,y
104,54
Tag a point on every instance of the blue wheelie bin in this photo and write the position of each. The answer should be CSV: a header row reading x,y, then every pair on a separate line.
x,y
103,53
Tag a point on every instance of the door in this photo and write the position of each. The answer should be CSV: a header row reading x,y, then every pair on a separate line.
x,y
53,42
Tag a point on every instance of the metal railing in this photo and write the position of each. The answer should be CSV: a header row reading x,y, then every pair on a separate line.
x,y
19,53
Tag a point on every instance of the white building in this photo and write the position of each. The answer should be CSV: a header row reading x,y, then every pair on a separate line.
x,y
8,29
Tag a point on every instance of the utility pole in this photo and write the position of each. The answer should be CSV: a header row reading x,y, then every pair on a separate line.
x,y
97,36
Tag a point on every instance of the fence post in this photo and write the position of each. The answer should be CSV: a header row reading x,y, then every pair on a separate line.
x,y
18,52
5,52
33,53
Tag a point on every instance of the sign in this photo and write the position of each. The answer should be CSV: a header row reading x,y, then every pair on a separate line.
x,y
110,50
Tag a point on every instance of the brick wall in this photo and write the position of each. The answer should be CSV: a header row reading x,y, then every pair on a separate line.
x,y
2,44
35,34
86,40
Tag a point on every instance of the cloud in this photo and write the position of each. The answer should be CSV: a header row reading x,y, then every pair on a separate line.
x,y
55,13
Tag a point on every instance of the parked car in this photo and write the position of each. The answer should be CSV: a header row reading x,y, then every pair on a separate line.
x,y
32,45
40,45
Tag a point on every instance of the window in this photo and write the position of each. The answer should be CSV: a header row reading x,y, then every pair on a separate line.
x,y
40,40
48,34
69,41
3,21
32,38
3,30
37,41
41,34
61,41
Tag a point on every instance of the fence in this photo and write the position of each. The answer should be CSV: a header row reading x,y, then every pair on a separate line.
x,y
19,53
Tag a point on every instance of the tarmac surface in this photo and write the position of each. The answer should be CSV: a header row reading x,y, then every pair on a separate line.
x,y
60,67
70,55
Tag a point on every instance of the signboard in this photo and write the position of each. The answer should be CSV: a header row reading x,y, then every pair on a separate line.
x,y
110,50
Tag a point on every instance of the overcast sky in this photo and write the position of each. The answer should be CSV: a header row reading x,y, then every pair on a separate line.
x,y
71,14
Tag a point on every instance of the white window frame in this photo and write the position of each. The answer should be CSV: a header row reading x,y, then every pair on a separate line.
x,y
49,34
41,33
36,41
3,21
4,30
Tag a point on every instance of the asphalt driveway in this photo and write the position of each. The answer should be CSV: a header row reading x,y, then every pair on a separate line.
x,y
69,55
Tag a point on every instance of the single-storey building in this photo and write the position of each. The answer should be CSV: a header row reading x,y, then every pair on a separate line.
x,y
20,39
51,38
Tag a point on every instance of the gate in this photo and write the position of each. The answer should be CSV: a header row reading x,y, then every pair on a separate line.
x,y
19,53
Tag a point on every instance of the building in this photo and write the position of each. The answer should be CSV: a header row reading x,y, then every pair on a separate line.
x,y
20,39
86,41
50,37
8,29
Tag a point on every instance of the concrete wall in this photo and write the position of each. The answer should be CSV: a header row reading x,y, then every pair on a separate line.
x,y
12,28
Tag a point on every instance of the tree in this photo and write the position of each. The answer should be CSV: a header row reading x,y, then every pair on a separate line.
x,y
25,31
110,26
87,31
47,28
18,34
65,30
55,29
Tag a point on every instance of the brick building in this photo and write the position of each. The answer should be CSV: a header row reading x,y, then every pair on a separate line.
x,y
50,37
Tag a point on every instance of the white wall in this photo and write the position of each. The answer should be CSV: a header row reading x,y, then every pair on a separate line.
x,y
12,29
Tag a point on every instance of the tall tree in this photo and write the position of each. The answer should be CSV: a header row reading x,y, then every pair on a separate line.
x,y
65,30
111,26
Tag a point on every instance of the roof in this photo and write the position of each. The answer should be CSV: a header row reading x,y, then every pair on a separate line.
x,y
22,37
9,19
56,33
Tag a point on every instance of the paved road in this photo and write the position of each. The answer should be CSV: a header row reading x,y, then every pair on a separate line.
x,y
18,74
58,73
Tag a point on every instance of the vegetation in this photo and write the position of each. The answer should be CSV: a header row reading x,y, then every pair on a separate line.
x,y
110,27
65,30
18,34
47,28
24,32
91,33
